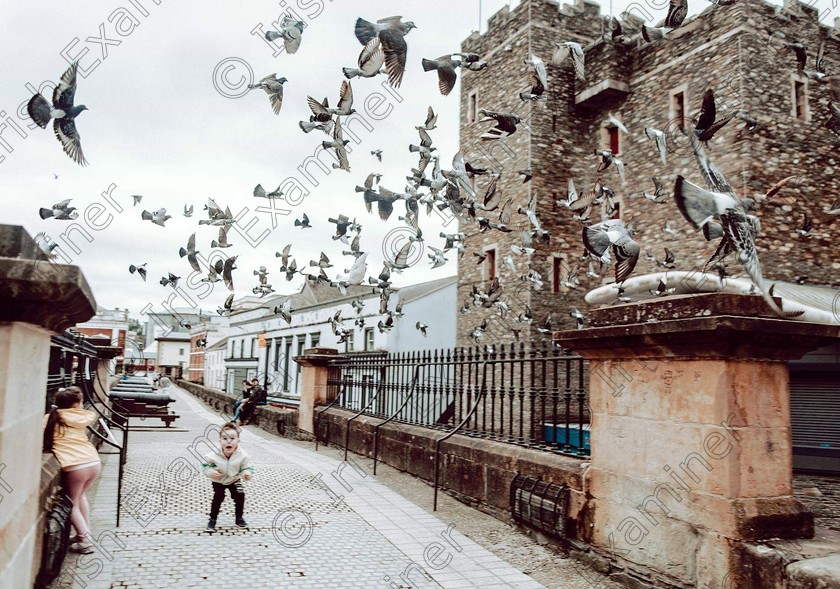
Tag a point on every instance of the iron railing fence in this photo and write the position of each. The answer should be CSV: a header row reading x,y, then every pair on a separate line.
x,y
526,395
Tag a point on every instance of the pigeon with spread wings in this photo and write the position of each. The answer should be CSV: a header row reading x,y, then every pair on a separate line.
x,y
599,238
273,86
370,63
391,32
575,51
505,124
290,31
64,112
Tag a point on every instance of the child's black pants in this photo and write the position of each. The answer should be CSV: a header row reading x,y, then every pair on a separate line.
x,y
236,493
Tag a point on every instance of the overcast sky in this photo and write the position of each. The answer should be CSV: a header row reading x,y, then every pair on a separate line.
x,y
163,123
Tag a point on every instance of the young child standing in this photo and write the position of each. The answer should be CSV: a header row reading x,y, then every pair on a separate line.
x,y
227,469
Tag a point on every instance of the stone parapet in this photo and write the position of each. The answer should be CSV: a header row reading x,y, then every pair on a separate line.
x,y
690,432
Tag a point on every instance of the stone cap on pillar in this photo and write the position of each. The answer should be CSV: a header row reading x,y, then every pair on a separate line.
x,y
39,291
316,356
707,325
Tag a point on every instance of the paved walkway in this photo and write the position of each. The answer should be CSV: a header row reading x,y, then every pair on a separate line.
x,y
314,522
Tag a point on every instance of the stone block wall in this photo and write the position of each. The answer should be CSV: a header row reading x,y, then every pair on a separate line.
x,y
726,48
274,420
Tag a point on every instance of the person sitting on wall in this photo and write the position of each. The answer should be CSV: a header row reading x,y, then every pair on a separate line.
x,y
246,393
259,396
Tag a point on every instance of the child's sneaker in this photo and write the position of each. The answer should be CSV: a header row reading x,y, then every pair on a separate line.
x,y
211,525
241,522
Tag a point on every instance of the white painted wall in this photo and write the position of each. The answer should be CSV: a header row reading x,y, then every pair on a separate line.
x,y
168,353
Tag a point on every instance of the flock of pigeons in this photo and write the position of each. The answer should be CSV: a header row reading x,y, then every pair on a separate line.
x,y
716,210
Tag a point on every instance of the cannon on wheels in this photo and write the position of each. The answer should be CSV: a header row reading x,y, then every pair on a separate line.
x,y
136,398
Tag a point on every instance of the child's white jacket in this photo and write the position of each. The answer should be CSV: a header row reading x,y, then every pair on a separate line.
x,y
231,468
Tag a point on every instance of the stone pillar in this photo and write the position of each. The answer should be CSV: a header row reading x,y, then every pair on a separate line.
x,y
690,433
313,390
37,298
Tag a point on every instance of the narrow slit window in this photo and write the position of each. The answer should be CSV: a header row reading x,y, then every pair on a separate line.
x,y
614,140
556,273
800,99
490,262
472,107
679,108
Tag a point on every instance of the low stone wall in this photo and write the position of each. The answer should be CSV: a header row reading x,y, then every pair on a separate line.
x,y
477,471
274,420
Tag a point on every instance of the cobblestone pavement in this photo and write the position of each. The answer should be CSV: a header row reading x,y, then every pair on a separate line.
x,y
824,503
314,521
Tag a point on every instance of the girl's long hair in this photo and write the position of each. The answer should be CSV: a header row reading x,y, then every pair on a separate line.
x,y
64,399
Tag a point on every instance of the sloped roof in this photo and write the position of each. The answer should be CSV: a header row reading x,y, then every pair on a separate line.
x,y
219,345
418,291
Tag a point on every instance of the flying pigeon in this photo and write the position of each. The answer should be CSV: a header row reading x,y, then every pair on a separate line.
x,y
431,121
170,280
260,192
326,126
400,261
421,327
290,31
614,122
345,101
538,77
285,310
64,113
377,153
750,122
437,257
190,252
273,86
573,50
445,67
341,225
159,217
599,238
136,198
662,289
580,318
61,211
387,325
505,124
607,158
227,272
216,214
46,245
526,175
391,32
807,225
356,274
188,211
338,143
303,223
290,270
660,139
323,262
222,242
370,63
659,195
262,273
228,306
141,270
214,271
677,12
707,126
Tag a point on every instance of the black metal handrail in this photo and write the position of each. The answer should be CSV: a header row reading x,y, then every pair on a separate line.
x,y
480,396
391,417
324,410
361,411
